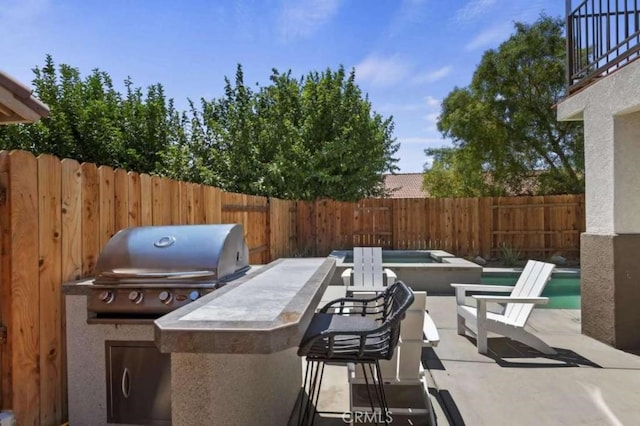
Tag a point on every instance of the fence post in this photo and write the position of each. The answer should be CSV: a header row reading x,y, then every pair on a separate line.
x,y
267,230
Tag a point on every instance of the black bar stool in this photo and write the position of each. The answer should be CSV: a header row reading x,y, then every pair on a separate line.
x,y
349,330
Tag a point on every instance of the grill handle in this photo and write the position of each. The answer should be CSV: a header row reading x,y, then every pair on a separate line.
x,y
125,385
121,274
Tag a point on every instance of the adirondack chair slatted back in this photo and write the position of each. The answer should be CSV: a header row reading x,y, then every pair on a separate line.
x,y
367,266
534,277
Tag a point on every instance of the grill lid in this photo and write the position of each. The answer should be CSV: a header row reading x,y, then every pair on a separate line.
x,y
173,254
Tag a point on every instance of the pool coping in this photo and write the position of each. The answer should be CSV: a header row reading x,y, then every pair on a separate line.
x,y
446,269
443,259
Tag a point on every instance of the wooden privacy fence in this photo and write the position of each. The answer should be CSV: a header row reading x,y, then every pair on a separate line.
x,y
55,217
537,227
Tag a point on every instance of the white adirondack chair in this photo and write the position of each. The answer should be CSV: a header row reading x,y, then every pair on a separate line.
x,y
367,270
519,304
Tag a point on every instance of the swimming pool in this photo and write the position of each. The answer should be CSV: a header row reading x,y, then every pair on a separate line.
x,y
422,270
563,290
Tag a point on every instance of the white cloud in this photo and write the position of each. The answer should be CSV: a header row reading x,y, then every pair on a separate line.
x,y
381,71
432,119
301,18
491,36
473,10
417,140
432,102
432,76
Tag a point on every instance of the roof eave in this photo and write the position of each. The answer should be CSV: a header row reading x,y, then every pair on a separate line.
x,y
17,104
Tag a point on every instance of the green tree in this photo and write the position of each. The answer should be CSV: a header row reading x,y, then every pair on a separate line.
x,y
503,125
445,179
310,138
91,121
316,137
348,146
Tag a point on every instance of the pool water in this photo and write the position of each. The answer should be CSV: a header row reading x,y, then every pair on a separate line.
x,y
563,292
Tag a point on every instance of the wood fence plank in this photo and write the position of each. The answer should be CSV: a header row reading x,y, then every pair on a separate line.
x,y
90,218
199,214
485,226
106,202
120,199
71,194
175,202
51,300
213,207
6,374
133,203
71,245
277,233
186,195
25,288
146,200
161,212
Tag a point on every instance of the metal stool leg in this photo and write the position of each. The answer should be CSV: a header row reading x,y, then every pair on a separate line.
x,y
378,384
384,407
302,410
312,384
366,384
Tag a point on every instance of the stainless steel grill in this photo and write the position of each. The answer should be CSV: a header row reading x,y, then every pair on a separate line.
x,y
149,271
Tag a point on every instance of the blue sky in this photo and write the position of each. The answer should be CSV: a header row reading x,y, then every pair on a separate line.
x,y
408,54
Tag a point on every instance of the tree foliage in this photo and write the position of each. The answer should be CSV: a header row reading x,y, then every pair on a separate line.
x,y
90,121
307,138
504,127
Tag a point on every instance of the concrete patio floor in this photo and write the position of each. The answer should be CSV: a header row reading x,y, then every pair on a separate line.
x,y
586,383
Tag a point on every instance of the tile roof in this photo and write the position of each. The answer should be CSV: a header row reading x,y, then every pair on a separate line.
x,y
405,185
17,105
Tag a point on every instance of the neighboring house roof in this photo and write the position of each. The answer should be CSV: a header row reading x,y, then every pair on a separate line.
x,y
17,105
405,185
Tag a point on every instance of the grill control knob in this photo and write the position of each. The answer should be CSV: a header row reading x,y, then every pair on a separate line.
x,y
136,296
165,297
194,295
106,296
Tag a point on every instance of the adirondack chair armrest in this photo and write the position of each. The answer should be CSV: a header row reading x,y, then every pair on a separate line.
x,y
483,300
483,287
510,299
430,331
390,276
461,290
346,276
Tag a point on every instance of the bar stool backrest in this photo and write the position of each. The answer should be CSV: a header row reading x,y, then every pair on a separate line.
x,y
358,330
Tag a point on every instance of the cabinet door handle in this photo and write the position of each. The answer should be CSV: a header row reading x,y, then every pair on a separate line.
x,y
126,383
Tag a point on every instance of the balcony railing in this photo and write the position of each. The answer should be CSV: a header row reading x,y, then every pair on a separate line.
x,y
602,36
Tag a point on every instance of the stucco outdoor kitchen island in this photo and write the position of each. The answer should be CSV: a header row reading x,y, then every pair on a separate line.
x,y
233,352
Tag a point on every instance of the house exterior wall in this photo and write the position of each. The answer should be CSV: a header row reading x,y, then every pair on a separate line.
x,y
610,278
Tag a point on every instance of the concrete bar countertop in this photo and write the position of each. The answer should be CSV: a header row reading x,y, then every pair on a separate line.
x,y
261,313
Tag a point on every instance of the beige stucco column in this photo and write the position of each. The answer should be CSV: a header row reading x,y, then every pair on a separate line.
x,y
610,247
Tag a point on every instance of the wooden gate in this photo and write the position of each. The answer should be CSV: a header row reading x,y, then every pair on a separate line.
x,y
373,223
